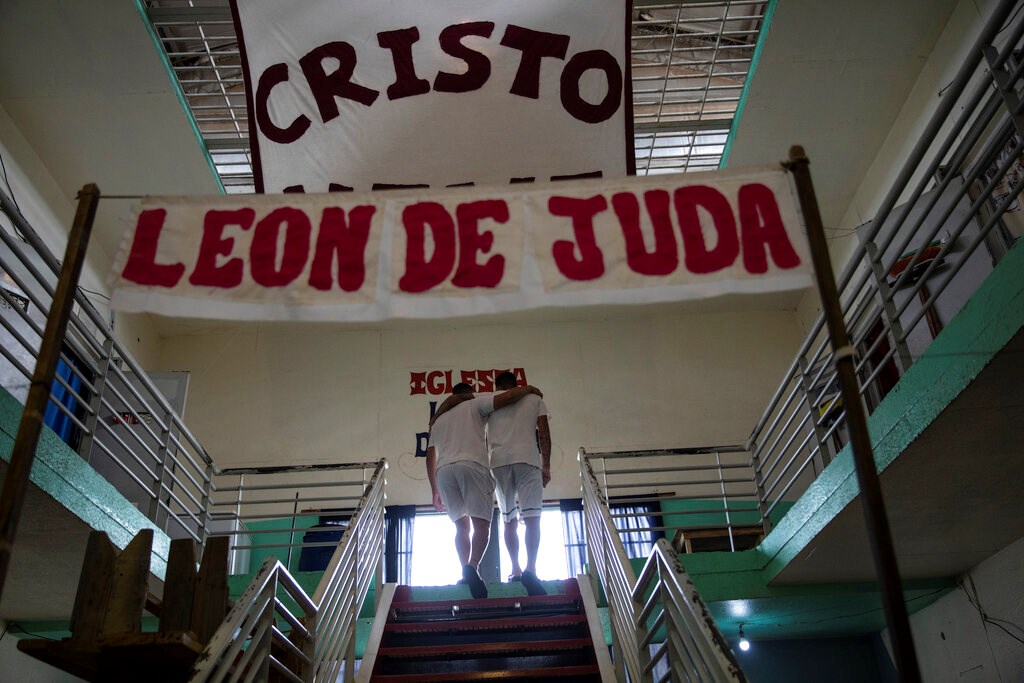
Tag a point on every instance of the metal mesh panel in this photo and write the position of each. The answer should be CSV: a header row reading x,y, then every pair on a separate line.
x,y
690,63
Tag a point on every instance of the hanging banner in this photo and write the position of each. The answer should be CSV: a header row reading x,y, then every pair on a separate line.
x,y
378,94
464,251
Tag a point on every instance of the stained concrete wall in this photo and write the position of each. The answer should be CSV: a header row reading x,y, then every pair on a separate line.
x,y
955,643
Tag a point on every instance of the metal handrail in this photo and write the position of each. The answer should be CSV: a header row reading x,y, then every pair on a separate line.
x,y
692,648
606,555
661,606
706,480
319,641
944,186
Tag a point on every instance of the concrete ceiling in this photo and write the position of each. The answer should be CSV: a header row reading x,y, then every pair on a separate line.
x,y
86,88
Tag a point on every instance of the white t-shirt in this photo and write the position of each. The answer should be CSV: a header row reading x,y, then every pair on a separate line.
x,y
512,432
459,433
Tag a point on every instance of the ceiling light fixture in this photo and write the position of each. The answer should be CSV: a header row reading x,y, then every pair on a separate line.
x,y
744,643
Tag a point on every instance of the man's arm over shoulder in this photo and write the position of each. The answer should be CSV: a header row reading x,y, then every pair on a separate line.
x,y
448,404
509,397
544,438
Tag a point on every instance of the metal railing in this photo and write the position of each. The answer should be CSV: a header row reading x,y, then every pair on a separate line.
x,y
654,492
275,626
286,510
917,262
103,403
689,647
661,607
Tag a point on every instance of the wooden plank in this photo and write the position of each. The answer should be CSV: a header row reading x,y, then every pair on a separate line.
x,y
210,601
90,607
129,587
179,587
79,659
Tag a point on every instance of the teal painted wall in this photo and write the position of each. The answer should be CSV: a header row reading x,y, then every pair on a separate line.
x,y
67,478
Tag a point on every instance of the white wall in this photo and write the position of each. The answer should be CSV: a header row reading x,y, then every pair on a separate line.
x,y
952,641
628,381
50,214
946,57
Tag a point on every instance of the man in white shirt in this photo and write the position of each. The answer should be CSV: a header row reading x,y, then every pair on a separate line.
x,y
460,479
519,445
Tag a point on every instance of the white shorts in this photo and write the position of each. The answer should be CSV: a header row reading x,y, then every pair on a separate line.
x,y
466,488
524,481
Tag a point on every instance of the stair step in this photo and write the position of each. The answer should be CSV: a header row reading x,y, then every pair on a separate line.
x,y
586,673
486,662
460,632
412,609
518,648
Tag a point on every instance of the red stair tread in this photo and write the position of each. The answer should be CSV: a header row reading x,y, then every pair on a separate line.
x,y
482,603
486,624
544,674
433,651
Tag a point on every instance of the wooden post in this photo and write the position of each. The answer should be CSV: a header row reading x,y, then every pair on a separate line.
x,y
128,588
179,586
24,452
93,588
210,603
856,418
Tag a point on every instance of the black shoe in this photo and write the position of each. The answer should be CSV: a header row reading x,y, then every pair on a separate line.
x,y
477,587
532,584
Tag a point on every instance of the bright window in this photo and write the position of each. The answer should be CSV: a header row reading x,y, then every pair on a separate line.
x,y
433,550
551,556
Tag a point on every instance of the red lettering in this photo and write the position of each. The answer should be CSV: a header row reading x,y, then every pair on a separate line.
x,y
484,380
421,274
417,383
447,381
141,266
590,264
665,257
433,386
207,273
275,75
347,242
407,83
478,66
699,259
266,236
327,86
762,228
572,100
468,378
535,45
520,377
471,240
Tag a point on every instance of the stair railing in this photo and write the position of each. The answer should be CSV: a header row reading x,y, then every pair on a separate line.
x,y
916,262
673,614
699,489
108,409
661,607
607,559
276,626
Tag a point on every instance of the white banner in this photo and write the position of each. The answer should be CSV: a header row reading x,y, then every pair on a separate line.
x,y
464,251
374,94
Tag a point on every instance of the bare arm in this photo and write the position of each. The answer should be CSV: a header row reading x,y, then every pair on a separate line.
x,y
509,397
448,404
544,434
432,478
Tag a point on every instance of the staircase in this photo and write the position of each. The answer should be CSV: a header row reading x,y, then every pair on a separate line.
x,y
509,638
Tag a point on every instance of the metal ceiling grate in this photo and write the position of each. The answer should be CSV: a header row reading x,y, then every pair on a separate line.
x,y
691,64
